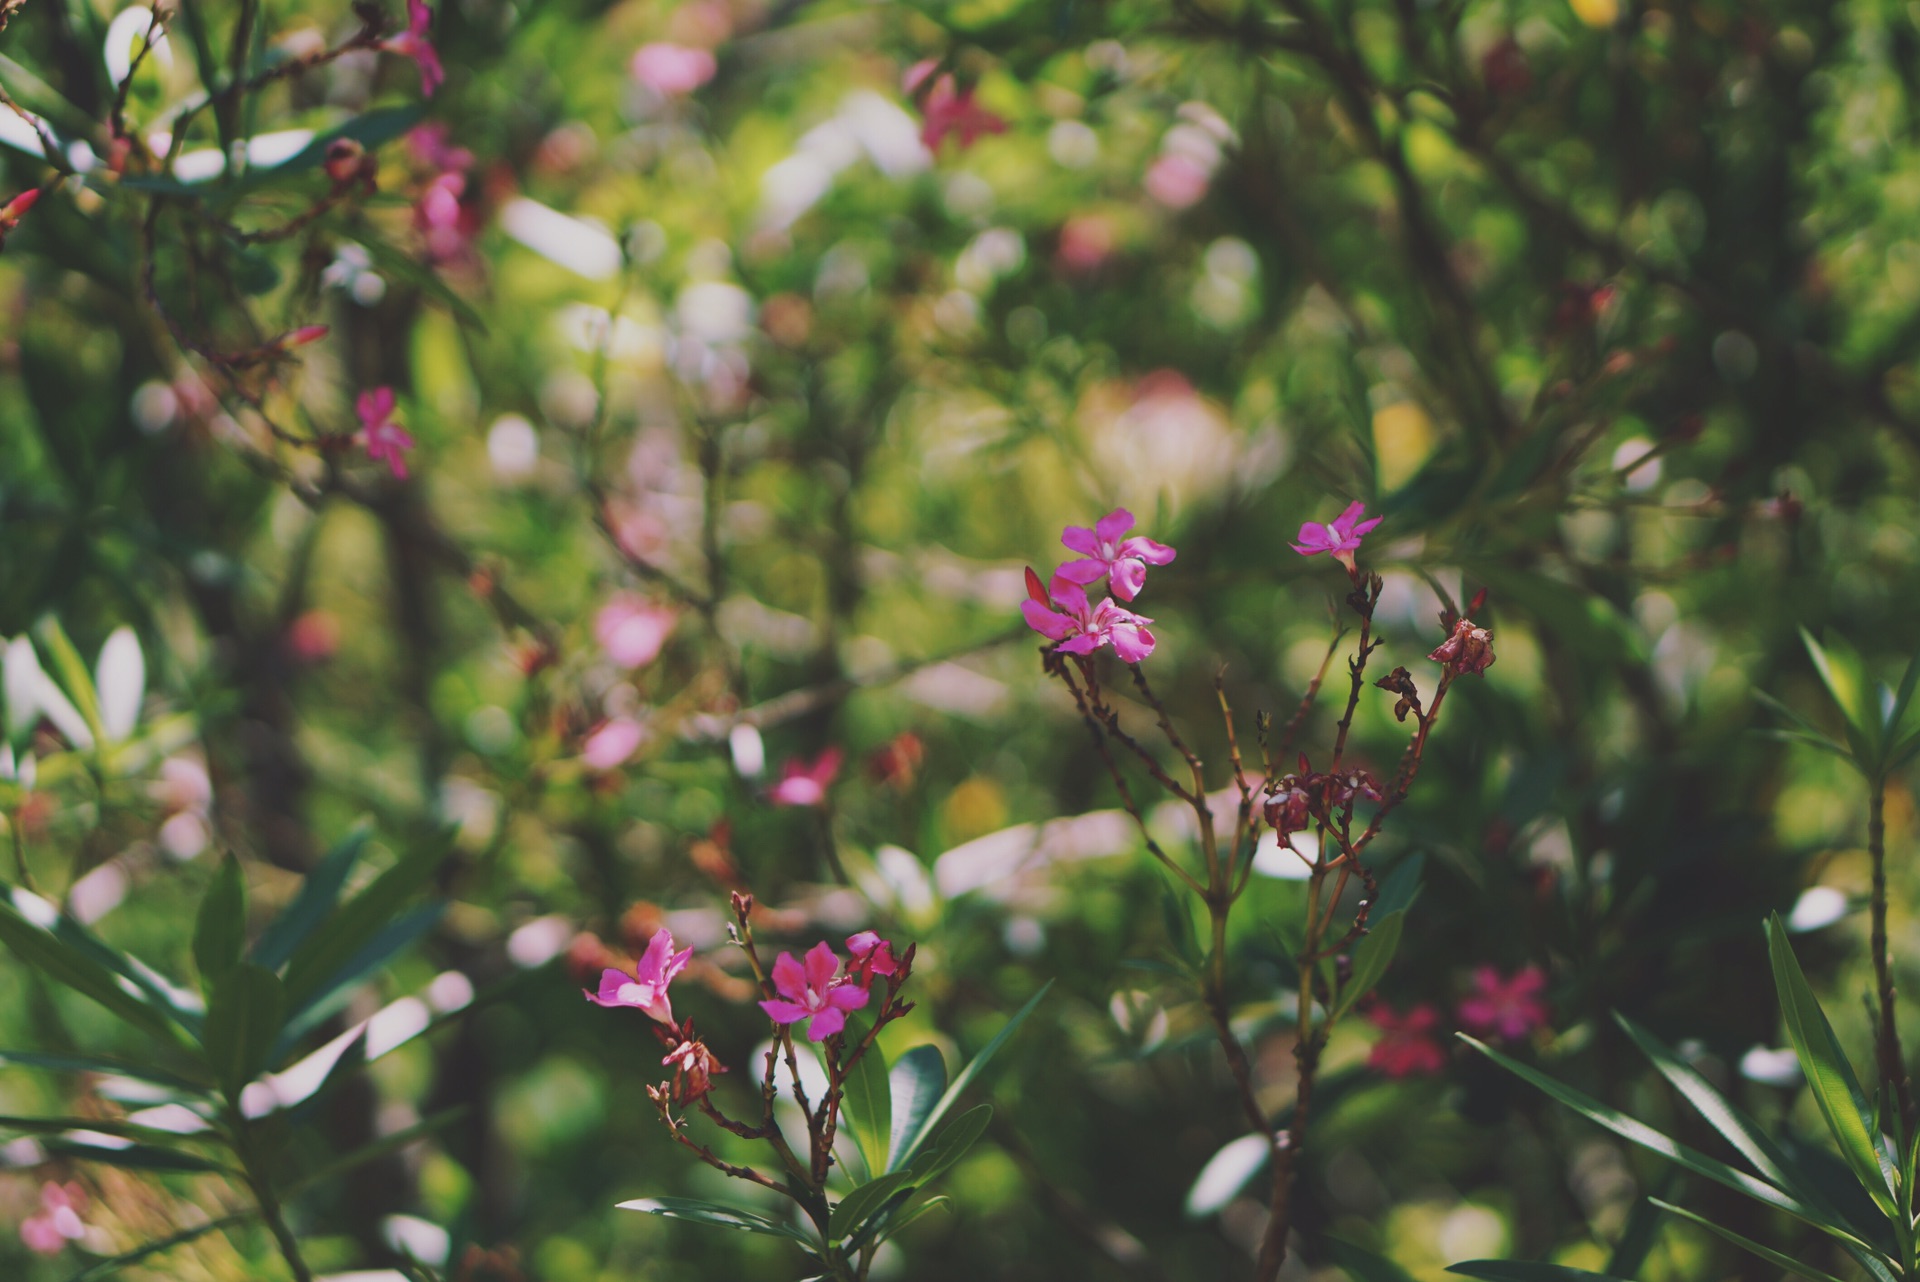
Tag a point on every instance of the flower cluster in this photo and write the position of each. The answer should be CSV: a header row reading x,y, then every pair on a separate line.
x,y
1060,610
1506,1007
1294,801
946,108
58,1222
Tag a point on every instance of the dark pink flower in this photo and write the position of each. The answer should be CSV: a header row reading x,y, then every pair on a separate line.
x,y
1061,612
671,70
413,43
444,224
802,784
429,146
1468,650
872,956
1505,1008
14,210
1342,538
386,441
1406,1047
632,630
612,743
1123,562
58,1222
945,109
646,988
812,994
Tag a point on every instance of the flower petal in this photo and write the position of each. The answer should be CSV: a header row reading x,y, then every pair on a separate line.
x,y
822,965
789,977
1127,578
1344,522
847,997
1067,594
1147,550
1131,642
1047,623
784,1012
1114,524
826,1023
1080,539
653,962
1088,570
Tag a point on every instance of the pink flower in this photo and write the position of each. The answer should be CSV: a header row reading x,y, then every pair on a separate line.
x,y
1468,650
444,224
1080,627
646,988
1177,181
947,109
812,994
632,630
413,43
14,210
429,145
386,441
612,743
806,785
1085,242
671,70
1506,1008
1123,562
1406,1047
58,1222
872,956
1342,538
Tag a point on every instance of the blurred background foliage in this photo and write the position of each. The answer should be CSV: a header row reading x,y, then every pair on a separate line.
x,y
1609,306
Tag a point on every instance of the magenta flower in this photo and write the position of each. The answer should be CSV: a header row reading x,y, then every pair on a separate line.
x,y
612,743
413,43
811,993
430,145
58,1222
632,630
1406,1047
945,108
386,441
1123,562
671,70
445,225
1081,627
646,988
802,784
872,956
1506,1008
1342,538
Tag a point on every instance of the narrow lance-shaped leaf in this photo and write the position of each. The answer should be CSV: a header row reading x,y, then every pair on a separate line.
x,y
1526,1271
243,1021
105,1268
318,897
952,1143
1371,957
968,1074
120,679
869,1099
915,1085
1767,1253
75,681
221,928
857,1206
60,961
725,1217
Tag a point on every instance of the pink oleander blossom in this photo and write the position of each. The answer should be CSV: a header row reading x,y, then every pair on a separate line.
x,y
612,743
1341,538
58,1222
1505,1008
413,43
386,441
1177,181
646,988
1122,561
671,70
445,225
809,993
1407,1047
805,784
631,630
1061,612
431,147
872,956
946,109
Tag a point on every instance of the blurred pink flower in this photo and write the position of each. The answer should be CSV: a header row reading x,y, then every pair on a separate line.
x,y
872,956
1123,562
1177,181
612,743
429,146
806,785
1506,1008
945,109
632,630
386,441
811,994
313,636
58,1222
1080,627
671,70
1406,1047
413,43
646,988
1342,538
1085,242
442,221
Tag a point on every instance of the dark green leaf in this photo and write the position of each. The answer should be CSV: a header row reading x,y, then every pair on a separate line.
x,y
912,1213
102,1268
1636,1240
854,1209
100,1125
133,1157
1371,957
221,930
915,1084
1363,1265
318,897
1526,1271
102,1064
726,1217
68,965
965,1079
869,1099
243,1021
329,950
392,940
952,1143
1400,887
1767,1253
393,262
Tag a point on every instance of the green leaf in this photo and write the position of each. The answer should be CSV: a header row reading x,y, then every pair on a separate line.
x,y
1645,1136
221,929
965,1079
915,1085
61,961
318,897
1767,1253
1903,698
332,947
370,130
1400,887
869,1097
75,680
914,1212
1371,957
1635,1243
854,1209
1841,673
378,1148
1835,1089
102,1064
952,1143
103,1268
243,1020
58,1126
397,264
1526,1271
134,1157
395,938
1363,1265
725,1217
